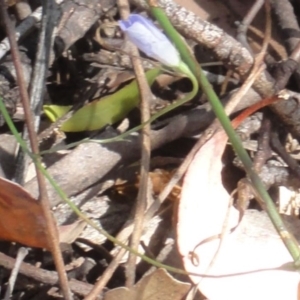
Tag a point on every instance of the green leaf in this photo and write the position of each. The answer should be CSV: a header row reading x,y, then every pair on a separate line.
x,y
53,112
101,112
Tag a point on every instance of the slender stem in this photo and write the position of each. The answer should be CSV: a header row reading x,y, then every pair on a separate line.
x,y
52,233
74,208
182,69
218,109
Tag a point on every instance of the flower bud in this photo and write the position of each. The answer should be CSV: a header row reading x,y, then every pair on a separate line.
x,y
148,38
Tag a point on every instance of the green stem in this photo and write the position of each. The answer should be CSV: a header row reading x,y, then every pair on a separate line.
x,y
182,69
74,208
218,109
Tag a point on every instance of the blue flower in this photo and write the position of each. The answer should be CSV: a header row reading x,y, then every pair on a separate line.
x,y
149,39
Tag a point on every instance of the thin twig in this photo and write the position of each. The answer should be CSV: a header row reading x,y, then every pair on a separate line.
x,y
289,26
45,276
141,204
142,194
257,67
21,30
43,197
22,252
243,26
256,70
37,86
101,283
206,136
224,231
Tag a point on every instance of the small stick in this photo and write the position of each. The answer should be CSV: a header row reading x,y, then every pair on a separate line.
x,y
45,276
141,204
22,252
243,26
43,196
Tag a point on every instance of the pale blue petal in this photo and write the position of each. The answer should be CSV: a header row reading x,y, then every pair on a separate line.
x,y
134,18
149,39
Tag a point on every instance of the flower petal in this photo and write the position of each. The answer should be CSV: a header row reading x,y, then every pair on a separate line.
x,y
149,39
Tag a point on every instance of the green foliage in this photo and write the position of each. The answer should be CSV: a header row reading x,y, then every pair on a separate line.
x,y
101,112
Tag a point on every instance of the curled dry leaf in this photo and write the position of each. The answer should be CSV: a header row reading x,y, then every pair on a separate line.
x,y
252,262
21,216
158,285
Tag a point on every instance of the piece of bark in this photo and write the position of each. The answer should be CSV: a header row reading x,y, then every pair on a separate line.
x,y
47,277
77,18
9,92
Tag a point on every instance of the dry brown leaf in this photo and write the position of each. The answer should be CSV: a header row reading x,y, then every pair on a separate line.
x,y
157,286
22,219
21,216
252,263
159,179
